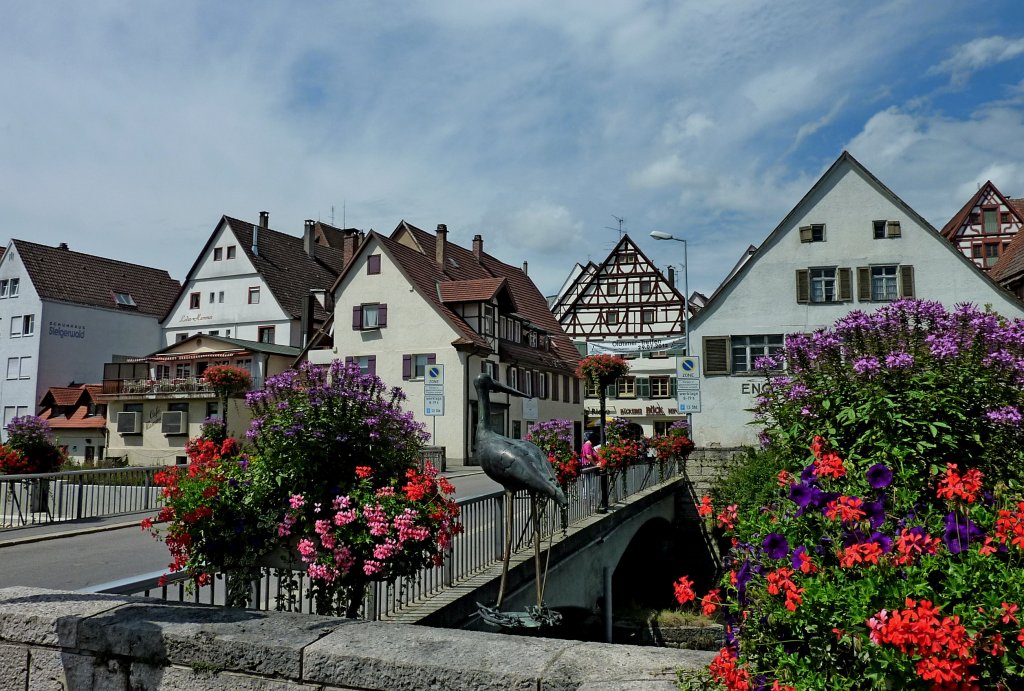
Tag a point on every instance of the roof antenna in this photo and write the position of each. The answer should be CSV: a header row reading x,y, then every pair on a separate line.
x,y
621,221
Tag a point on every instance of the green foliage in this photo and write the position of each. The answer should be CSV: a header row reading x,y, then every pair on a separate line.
x,y
750,481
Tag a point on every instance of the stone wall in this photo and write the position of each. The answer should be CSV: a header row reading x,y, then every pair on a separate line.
x,y
78,641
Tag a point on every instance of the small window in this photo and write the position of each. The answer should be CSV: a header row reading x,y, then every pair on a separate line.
x,y
660,387
265,334
254,295
512,377
215,332
5,286
625,387
747,349
611,317
645,287
879,229
15,282
231,252
647,317
542,384
371,315
213,409
218,253
591,390
813,233
487,325
611,289
220,296
367,363
193,301
533,339
373,264
976,250
490,367
180,337
883,283
823,285
182,370
991,253
213,298
28,325
16,324
124,299
627,258
13,368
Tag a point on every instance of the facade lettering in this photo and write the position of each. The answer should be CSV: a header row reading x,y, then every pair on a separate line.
x,y
751,388
62,330
185,318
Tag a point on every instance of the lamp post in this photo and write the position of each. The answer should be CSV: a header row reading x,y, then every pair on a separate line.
x,y
659,235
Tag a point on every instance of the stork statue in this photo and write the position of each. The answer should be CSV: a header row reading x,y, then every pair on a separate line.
x,y
515,464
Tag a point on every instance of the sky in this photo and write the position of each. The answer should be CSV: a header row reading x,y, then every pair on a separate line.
x,y
128,128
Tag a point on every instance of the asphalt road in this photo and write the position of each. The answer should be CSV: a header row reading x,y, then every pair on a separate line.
x,y
74,562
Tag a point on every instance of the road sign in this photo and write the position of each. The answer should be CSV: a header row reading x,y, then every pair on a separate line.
x,y
688,367
433,389
433,405
434,375
689,400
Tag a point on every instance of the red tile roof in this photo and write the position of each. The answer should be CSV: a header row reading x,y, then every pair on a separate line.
x,y
83,279
462,265
80,396
1011,262
481,289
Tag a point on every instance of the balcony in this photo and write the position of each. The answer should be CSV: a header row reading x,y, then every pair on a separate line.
x,y
187,386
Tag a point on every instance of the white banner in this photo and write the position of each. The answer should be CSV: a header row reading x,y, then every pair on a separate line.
x,y
620,347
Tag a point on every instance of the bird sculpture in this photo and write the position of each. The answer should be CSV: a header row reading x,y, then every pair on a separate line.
x,y
516,465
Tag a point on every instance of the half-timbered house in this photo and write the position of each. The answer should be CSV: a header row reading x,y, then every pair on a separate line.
x,y
984,227
626,305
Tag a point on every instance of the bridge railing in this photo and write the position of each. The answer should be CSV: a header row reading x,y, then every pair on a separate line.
x,y
477,548
39,498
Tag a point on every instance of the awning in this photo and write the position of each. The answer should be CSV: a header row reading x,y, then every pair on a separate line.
x,y
207,355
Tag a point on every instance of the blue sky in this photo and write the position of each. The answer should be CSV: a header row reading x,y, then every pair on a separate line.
x,y
128,129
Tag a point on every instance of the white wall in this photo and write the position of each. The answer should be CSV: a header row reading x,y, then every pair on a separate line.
x,y
19,396
763,299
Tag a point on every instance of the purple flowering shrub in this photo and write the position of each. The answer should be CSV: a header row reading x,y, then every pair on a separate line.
x,y
33,439
925,385
555,439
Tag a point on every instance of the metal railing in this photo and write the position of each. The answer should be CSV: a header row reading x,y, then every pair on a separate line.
x,y
477,548
76,494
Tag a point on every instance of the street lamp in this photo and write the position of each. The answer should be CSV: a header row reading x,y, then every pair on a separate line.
x,y
659,235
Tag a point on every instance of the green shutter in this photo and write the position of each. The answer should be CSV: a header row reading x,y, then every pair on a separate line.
x,y
906,281
643,387
845,285
864,283
672,387
803,286
716,354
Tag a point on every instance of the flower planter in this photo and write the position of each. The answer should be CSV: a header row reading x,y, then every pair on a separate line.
x,y
687,637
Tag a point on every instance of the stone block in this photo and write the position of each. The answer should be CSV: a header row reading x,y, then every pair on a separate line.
x,y
14,665
153,678
49,617
53,669
265,643
398,657
602,663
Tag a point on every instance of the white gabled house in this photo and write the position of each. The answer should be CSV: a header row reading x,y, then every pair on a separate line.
x,y
257,284
849,244
63,314
415,299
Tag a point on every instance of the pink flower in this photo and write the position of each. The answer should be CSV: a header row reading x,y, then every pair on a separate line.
x,y
307,549
297,501
371,567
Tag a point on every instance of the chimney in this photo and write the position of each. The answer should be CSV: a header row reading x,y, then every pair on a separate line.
x,y
348,246
308,243
478,246
256,240
62,246
264,219
672,276
525,267
439,245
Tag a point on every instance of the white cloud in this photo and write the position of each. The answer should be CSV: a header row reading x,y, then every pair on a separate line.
x,y
976,55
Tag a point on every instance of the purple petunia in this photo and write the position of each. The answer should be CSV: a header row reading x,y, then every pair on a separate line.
x,y
796,559
874,512
776,546
960,532
879,476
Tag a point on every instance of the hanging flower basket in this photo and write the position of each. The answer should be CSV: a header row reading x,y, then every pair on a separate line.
x,y
602,369
228,380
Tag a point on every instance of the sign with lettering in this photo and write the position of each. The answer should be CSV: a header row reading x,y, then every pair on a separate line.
x,y
688,367
531,409
62,330
434,375
689,400
433,405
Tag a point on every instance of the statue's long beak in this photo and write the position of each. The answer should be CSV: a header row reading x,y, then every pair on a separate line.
x,y
498,386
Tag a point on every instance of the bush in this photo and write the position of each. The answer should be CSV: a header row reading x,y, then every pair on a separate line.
x,y
30,447
554,438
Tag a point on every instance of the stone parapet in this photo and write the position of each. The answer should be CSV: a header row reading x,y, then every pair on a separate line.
x,y
67,640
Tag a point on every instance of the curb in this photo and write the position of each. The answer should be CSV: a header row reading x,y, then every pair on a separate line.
x,y
29,539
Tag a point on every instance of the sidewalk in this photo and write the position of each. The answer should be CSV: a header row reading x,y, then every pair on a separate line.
x,y
10,537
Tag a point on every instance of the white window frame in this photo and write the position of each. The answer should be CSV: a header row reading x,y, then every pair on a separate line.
x,y
661,386
15,287
625,387
824,284
254,295
746,349
885,284
371,316
16,326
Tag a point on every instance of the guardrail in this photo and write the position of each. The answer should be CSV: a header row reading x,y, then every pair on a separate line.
x,y
477,548
38,498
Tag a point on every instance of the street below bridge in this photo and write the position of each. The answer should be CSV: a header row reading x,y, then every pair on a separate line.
x,y
76,561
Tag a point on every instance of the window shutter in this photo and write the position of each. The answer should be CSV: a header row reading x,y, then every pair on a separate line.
x,y
382,315
371,364
643,387
716,354
431,359
575,391
357,317
806,234
892,229
373,264
611,391
407,367
864,283
845,285
672,387
803,286
536,382
906,281
554,386
349,360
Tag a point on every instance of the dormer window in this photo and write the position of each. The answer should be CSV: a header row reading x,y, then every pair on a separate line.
x,y
124,299
533,339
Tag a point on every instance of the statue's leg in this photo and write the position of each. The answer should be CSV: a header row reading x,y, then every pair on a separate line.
x,y
509,497
536,546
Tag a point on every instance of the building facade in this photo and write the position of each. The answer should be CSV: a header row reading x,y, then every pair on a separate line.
x,y
827,257
985,226
415,300
78,420
156,403
254,283
625,305
63,314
